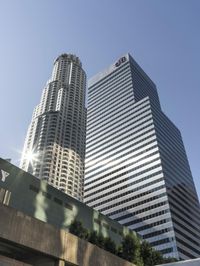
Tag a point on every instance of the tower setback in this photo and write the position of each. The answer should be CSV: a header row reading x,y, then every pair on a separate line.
x,y
137,170
54,148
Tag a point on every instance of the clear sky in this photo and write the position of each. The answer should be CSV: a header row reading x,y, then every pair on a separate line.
x,y
162,36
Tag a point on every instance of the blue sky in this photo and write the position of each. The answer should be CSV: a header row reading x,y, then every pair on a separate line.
x,y
162,36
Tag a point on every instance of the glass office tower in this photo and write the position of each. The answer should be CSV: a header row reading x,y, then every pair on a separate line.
x,y
137,170
54,149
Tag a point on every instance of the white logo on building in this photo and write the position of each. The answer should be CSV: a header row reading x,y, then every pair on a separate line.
x,y
3,175
120,61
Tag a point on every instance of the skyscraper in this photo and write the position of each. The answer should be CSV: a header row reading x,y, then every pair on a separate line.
x,y
54,149
137,170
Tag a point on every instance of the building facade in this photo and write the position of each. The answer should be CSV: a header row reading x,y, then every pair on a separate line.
x,y
137,170
54,148
34,225
37,199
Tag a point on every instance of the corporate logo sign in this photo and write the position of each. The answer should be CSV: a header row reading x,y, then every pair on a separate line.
x,y
3,175
120,61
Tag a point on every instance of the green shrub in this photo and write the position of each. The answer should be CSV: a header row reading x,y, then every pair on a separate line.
x,y
110,245
132,248
77,229
93,237
151,256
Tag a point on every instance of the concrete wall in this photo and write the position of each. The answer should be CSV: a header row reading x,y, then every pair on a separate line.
x,y
4,261
25,231
36,198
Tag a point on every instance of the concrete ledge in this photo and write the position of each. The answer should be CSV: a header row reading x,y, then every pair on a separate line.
x,y
42,237
4,261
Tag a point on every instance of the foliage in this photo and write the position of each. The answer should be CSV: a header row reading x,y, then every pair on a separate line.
x,y
167,260
77,229
93,237
146,253
110,245
157,257
132,248
100,241
151,256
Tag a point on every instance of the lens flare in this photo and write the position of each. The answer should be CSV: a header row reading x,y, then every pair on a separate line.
x,y
31,157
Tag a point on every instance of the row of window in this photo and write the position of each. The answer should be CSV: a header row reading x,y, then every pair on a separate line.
x,y
187,245
49,196
182,202
113,109
150,216
124,172
157,233
187,237
138,72
110,185
131,199
122,194
175,214
108,120
114,93
151,199
192,216
143,128
137,145
175,155
132,129
188,254
116,125
128,164
115,129
177,172
166,250
152,225
186,193
113,115
109,81
122,155
154,206
99,222
114,76
160,242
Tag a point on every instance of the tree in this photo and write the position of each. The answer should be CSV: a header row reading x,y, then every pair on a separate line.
x,y
96,239
151,256
130,249
110,245
100,241
93,237
77,229
146,253
157,257
167,260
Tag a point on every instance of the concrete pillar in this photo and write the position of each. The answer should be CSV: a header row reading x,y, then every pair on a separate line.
x,y
61,263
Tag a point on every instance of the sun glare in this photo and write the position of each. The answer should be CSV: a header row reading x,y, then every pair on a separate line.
x,y
31,156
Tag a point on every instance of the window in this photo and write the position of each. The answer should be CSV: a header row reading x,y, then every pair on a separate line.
x,y
33,188
68,206
47,195
58,201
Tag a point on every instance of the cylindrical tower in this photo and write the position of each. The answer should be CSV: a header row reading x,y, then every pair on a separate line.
x,y
54,149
